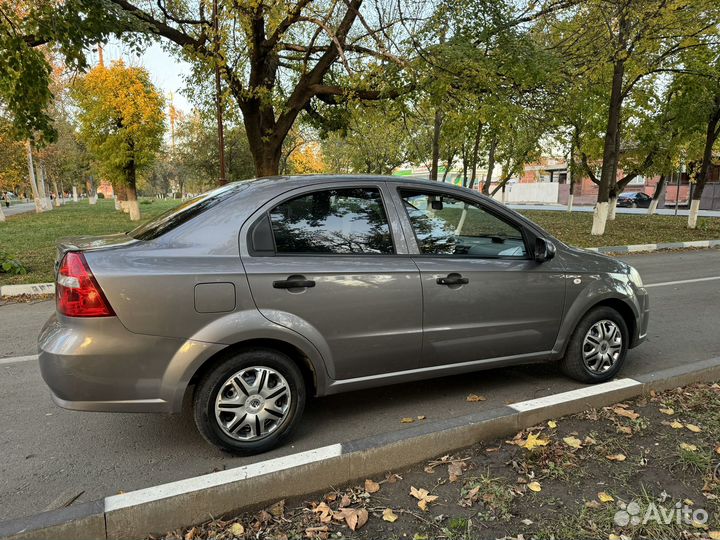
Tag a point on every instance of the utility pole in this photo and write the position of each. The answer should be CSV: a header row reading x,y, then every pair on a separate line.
x,y
218,97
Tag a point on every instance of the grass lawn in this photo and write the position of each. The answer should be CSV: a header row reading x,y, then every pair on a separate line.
x,y
644,469
574,228
31,237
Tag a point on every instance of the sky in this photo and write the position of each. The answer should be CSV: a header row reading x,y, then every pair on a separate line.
x,y
166,71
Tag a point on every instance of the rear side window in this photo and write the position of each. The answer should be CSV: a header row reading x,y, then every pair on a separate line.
x,y
336,221
186,211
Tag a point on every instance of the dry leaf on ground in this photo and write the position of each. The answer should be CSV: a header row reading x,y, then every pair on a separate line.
x,y
534,486
616,457
627,413
693,428
423,496
552,424
389,515
473,398
407,420
604,497
688,447
572,442
371,486
533,441
667,410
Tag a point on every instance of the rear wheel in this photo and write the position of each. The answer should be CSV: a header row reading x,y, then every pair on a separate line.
x,y
249,402
597,348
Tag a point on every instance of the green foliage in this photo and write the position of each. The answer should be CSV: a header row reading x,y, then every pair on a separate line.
x,y
100,195
10,265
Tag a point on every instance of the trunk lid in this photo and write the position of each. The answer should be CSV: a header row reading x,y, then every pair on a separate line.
x,y
91,243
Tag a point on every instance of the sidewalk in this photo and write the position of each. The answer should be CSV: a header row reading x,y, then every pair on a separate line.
x,y
645,468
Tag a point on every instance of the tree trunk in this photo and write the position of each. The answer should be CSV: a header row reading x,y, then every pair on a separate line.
x,y
711,136
659,188
437,126
476,146
132,201
2,214
44,197
90,186
490,166
611,145
33,181
75,195
57,196
120,197
465,165
450,160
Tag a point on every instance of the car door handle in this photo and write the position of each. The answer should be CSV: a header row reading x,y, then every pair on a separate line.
x,y
293,284
453,279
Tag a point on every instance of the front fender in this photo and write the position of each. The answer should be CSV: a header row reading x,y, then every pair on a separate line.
x,y
223,332
592,290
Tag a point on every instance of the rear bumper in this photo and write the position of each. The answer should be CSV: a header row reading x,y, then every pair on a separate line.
x,y
98,365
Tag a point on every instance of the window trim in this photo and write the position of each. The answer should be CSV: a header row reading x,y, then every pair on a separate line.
x,y
485,207
315,189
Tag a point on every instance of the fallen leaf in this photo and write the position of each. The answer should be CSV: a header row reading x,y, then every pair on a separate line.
x,y
317,532
714,535
527,522
688,447
689,502
371,486
407,420
625,429
277,509
693,428
355,518
326,513
613,536
418,536
604,497
455,470
627,413
534,441
552,424
616,457
676,425
190,535
572,442
389,515
474,398
421,417
669,411
717,449
534,486
423,496
345,501
592,504
236,530
589,441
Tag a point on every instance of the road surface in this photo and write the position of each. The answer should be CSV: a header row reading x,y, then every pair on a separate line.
x,y
50,456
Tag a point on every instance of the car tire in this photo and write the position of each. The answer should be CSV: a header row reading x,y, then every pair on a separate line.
x,y
633,205
579,363
239,377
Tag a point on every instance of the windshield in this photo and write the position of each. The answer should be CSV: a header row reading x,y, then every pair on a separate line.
x,y
184,212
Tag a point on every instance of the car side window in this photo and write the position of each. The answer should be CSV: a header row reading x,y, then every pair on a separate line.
x,y
446,225
334,221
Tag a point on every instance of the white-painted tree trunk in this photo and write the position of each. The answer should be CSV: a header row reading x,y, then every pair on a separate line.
x,y
134,210
653,207
599,218
2,214
75,198
33,181
92,199
693,215
124,207
570,202
117,203
612,207
504,197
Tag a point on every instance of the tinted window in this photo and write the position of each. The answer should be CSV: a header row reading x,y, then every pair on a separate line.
x,y
184,212
339,221
445,225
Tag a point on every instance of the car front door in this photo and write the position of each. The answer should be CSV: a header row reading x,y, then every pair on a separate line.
x,y
330,262
484,295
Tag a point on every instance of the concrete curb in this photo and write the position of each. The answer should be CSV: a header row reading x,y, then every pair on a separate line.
x,y
30,289
178,504
637,248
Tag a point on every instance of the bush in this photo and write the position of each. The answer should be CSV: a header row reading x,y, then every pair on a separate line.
x,y
100,195
146,201
10,265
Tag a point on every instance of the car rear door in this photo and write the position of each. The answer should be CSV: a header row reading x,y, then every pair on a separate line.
x,y
330,262
484,295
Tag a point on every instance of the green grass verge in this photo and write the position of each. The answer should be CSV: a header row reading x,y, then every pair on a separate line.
x,y
31,237
574,228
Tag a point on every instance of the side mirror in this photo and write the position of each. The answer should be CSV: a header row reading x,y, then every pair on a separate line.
x,y
544,250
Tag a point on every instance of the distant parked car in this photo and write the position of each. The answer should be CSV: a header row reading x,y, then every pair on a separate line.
x,y
255,295
634,200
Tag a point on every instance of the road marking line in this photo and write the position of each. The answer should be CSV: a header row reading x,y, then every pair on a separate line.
x,y
172,489
13,359
680,282
572,395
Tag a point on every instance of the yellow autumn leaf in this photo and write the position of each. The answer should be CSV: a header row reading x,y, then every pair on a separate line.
x,y
572,442
669,411
237,529
676,425
534,486
627,413
407,420
616,457
714,535
604,497
534,441
473,398
552,424
389,515
693,428
613,536
688,447
422,417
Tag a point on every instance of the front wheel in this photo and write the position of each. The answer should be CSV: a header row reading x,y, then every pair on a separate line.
x,y
250,402
597,347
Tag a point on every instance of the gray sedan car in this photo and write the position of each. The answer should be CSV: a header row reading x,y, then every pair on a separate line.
x,y
254,295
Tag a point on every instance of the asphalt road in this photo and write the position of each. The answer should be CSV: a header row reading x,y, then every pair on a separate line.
x,y
51,456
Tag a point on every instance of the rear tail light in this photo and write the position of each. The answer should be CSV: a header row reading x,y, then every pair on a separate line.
x,y
78,293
